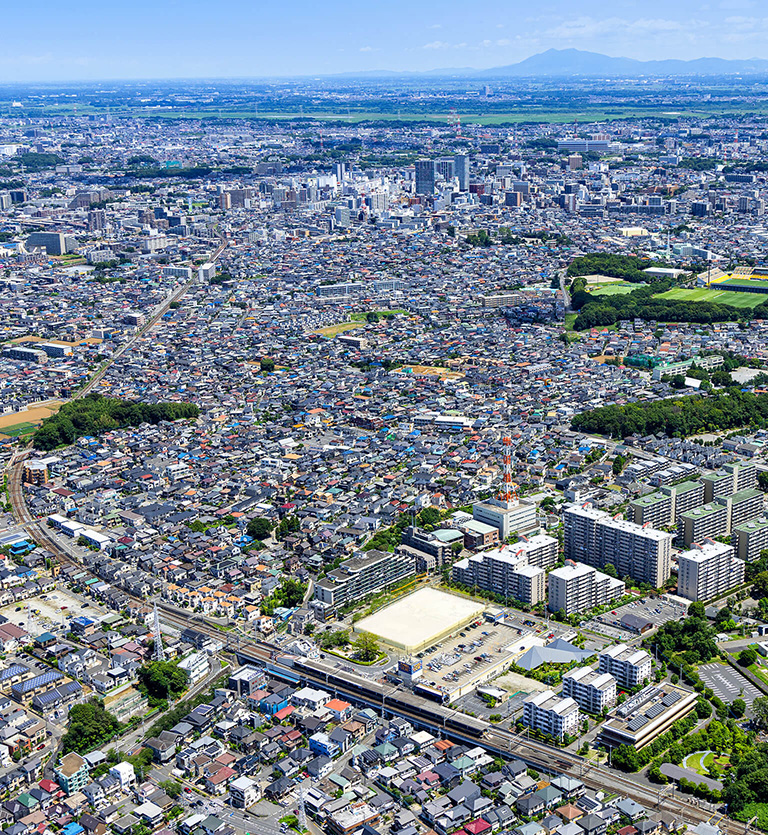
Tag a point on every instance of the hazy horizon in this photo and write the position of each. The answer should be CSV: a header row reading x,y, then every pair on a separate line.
x,y
170,40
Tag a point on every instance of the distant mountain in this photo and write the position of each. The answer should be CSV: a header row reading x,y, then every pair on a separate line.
x,y
575,62
567,63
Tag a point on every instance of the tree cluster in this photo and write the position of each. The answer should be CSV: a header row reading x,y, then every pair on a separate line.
x,y
693,638
90,726
162,680
94,414
677,416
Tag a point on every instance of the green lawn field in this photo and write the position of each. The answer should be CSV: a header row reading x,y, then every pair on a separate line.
x,y
701,294
620,288
740,282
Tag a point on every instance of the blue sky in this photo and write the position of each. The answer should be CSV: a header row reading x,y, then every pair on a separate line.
x,y
51,40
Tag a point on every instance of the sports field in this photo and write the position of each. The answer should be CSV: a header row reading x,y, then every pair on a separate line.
x,y
740,282
620,288
701,294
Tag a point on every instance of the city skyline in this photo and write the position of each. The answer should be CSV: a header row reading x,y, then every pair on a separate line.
x,y
166,40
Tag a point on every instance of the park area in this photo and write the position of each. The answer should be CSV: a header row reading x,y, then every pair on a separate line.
x,y
702,294
703,762
618,288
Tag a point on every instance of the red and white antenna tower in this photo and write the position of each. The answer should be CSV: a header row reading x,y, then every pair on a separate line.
x,y
508,490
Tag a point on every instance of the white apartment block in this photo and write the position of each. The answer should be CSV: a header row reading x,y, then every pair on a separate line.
x,y
593,691
595,538
627,665
551,714
708,570
507,570
576,587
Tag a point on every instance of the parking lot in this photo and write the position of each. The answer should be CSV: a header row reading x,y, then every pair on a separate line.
x,y
46,612
656,611
728,684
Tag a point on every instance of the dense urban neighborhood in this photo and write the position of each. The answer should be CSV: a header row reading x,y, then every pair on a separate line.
x,y
383,477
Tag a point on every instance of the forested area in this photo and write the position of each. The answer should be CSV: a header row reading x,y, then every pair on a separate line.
x,y
627,267
90,726
94,414
677,416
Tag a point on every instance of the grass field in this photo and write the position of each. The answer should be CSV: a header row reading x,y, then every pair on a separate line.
x,y
16,430
618,289
736,282
701,294
383,314
570,318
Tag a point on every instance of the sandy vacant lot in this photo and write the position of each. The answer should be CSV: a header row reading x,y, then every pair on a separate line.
x,y
29,415
50,609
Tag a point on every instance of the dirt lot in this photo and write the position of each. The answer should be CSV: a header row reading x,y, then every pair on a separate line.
x,y
29,415
335,330
434,370
50,609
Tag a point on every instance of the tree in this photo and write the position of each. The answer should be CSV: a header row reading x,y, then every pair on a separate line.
x,y
760,585
90,725
619,462
259,528
738,708
372,317
171,787
162,679
760,712
610,570
267,364
696,610
747,657
367,647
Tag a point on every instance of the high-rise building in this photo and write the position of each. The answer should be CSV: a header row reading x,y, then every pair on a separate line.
x,y
461,167
591,690
629,666
750,538
594,537
551,714
708,570
577,588
97,220
719,517
425,176
446,168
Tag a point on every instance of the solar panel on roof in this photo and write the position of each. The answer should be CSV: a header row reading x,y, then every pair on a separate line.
x,y
655,710
670,698
637,723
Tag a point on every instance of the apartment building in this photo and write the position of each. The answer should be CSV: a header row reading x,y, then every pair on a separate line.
x,y
363,575
551,714
750,538
707,570
506,571
629,666
577,588
667,504
592,690
731,479
719,517
595,538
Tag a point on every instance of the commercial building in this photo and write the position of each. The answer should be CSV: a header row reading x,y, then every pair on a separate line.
x,y
517,516
551,714
750,538
363,575
506,571
707,570
647,715
461,169
629,666
576,587
425,176
593,691
593,537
